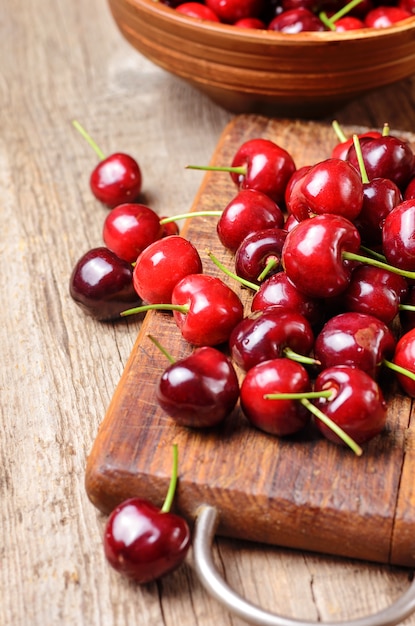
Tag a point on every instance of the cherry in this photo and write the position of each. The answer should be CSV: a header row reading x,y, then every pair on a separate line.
x,y
116,179
296,21
331,186
261,165
102,284
404,357
347,23
230,11
200,390
356,403
341,149
276,417
129,228
161,265
398,242
205,309
144,542
198,11
384,16
168,227
355,339
375,291
251,22
259,254
271,334
248,212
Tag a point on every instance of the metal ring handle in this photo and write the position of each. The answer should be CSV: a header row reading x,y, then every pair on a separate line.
x,y
205,527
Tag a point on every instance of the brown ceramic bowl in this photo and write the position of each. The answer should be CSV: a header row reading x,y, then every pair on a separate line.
x,y
249,71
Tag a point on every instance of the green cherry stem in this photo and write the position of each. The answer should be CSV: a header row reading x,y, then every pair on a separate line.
x,y
173,481
89,139
333,426
407,307
360,161
299,395
182,308
162,349
184,216
339,131
241,170
341,13
300,358
269,266
372,253
228,272
352,256
386,130
398,369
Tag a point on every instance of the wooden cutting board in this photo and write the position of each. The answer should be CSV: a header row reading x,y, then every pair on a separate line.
x,y
300,492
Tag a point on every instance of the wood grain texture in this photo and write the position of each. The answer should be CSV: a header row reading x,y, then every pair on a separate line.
x,y
59,369
290,492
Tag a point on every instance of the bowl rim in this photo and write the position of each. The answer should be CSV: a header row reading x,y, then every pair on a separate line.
x,y
170,14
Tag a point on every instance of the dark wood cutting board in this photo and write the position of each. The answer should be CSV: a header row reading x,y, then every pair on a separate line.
x,y
300,492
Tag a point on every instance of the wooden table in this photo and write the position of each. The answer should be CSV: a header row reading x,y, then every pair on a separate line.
x,y
59,369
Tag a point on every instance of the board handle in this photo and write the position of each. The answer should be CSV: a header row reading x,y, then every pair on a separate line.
x,y
205,527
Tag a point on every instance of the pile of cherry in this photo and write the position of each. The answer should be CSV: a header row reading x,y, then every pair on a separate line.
x,y
295,16
327,251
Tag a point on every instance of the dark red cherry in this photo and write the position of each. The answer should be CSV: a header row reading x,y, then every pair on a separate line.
x,y
129,228
102,284
268,334
197,10
296,21
200,390
230,11
356,404
380,196
116,180
398,236
404,357
276,417
162,265
258,252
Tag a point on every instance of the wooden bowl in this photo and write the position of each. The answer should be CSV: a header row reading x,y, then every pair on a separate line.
x,y
249,71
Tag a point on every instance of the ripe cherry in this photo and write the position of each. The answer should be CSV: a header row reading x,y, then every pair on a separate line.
x,y
129,228
102,284
197,10
404,357
384,16
116,179
259,254
144,542
398,236
200,390
296,21
230,11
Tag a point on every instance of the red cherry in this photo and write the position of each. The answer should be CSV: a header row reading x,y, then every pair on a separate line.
x,y
162,265
296,21
198,11
144,542
380,196
211,309
129,228
251,22
331,186
356,405
260,252
384,16
404,357
347,23
398,236
230,11
200,390
102,284
276,417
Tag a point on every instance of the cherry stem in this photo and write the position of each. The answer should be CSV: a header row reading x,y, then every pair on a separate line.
x,y
184,216
227,271
173,482
385,130
407,307
375,255
300,358
89,139
339,131
400,370
299,395
182,308
270,264
362,167
216,168
341,13
333,426
162,349
351,256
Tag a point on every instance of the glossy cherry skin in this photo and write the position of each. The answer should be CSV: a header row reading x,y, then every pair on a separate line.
x,y
199,391
357,340
276,417
279,291
265,335
341,149
116,180
384,16
405,357
312,255
129,228
376,292
380,196
253,23
143,543
230,11
214,309
386,157
102,284
296,21
268,168
398,241
357,404
248,212
349,22
330,186
162,265
257,250
198,11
